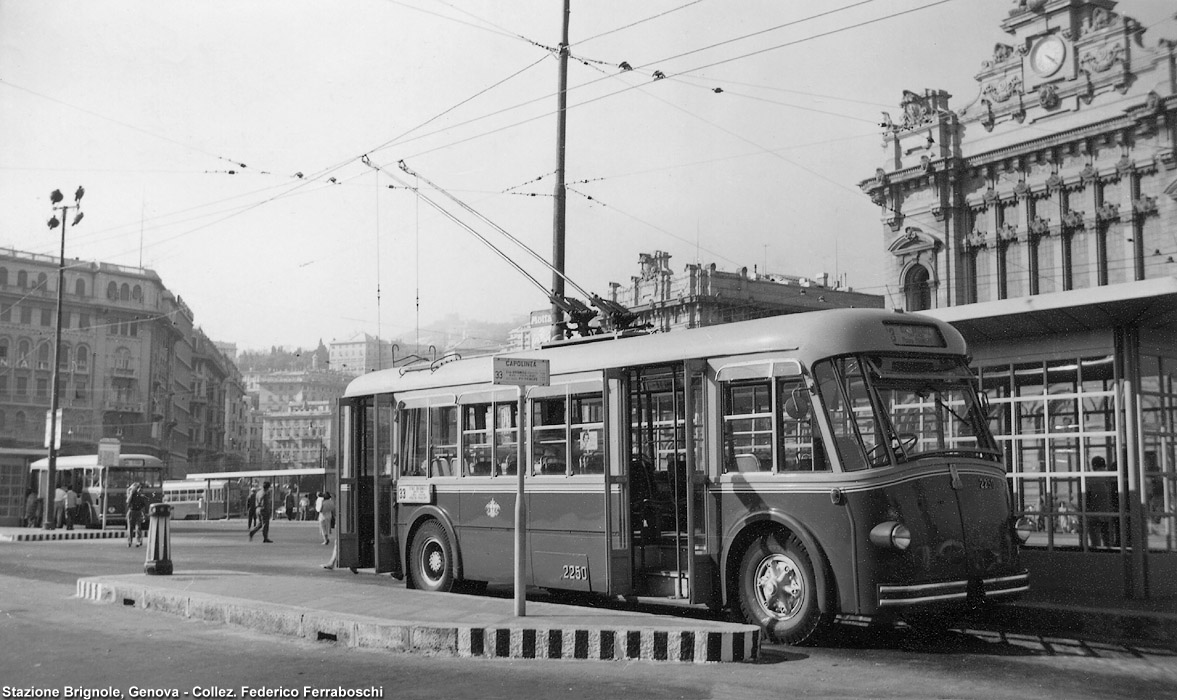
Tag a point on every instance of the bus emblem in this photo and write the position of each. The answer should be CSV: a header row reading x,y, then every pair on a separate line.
x,y
986,483
492,509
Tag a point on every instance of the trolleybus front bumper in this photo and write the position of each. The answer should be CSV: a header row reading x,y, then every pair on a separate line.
x,y
997,588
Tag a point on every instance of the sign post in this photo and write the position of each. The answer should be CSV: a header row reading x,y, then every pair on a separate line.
x,y
522,373
109,450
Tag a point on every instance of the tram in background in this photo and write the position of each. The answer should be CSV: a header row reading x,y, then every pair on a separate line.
x,y
209,499
103,489
792,468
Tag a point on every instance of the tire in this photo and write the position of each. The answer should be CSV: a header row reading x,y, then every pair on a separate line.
x,y
432,564
779,593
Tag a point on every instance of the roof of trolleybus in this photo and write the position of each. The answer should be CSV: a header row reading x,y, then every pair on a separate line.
x,y
91,462
807,336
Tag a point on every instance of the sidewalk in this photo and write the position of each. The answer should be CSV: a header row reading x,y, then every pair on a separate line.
x,y
486,626
437,623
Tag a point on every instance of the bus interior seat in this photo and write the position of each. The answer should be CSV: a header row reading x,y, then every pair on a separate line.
x,y
747,463
481,468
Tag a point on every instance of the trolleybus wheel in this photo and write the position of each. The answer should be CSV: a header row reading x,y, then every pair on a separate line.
x,y
778,591
433,560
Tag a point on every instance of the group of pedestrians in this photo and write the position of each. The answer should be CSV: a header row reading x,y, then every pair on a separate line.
x,y
260,509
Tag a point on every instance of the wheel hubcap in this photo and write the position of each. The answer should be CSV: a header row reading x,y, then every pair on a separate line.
x,y
434,561
780,586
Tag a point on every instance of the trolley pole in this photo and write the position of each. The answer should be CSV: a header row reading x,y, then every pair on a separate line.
x,y
558,215
49,521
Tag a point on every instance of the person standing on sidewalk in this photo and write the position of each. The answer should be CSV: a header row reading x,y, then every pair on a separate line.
x,y
71,506
265,508
59,506
136,513
326,508
32,508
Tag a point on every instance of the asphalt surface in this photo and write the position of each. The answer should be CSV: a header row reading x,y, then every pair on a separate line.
x,y
486,626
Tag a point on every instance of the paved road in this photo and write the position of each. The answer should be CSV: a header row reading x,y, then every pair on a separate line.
x,y
51,640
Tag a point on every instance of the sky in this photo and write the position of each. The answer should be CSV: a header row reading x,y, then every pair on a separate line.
x,y
248,152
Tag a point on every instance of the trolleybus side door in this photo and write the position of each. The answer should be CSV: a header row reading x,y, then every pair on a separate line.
x,y
354,512
382,428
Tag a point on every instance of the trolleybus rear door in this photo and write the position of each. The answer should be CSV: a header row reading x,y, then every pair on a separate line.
x,y
354,512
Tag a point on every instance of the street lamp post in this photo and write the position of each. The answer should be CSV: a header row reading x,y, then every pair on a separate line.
x,y
49,522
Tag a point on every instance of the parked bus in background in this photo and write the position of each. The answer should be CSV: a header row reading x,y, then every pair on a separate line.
x,y
206,499
791,468
103,489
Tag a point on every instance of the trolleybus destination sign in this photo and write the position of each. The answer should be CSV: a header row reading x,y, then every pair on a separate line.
x,y
521,372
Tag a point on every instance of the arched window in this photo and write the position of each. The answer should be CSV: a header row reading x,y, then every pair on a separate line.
x,y
122,358
42,282
3,276
137,293
112,291
22,350
4,343
18,422
918,289
64,356
43,356
83,358
22,279
80,287
125,292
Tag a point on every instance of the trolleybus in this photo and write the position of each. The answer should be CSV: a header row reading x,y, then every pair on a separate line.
x,y
792,468
208,499
103,489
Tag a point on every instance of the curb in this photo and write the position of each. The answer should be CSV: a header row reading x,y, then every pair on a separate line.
x,y
53,535
510,641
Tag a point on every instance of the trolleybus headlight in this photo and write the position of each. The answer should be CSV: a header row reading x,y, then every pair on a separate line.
x,y
891,534
1024,527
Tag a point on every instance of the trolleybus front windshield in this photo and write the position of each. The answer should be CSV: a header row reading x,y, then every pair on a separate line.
x,y
887,409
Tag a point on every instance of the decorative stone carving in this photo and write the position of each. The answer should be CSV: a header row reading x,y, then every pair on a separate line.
x,y
1100,60
1089,174
990,196
1001,54
1007,234
1002,91
975,241
1039,227
1021,189
1167,158
895,220
1073,220
1145,206
1108,212
916,110
1125,166
1048,96
1054,182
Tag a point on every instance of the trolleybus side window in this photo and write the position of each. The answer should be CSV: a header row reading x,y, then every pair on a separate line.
x,y
800,446
549,420
747,423
506,450
443,440
476,424
588,434
414,446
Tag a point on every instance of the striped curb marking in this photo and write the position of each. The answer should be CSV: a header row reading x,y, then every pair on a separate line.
x,y
742,644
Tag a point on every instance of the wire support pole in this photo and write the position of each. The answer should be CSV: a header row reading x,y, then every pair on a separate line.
x,y
559,327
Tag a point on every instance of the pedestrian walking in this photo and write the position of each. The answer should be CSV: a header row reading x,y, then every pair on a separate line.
x,y
251,507
32,508
326,508
265,508
136,513
290,505
304,505
71,507
59,506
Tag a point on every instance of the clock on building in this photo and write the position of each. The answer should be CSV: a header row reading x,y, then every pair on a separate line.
x,y
1048,55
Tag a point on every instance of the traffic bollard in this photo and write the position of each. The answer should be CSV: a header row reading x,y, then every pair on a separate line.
x,y
159,555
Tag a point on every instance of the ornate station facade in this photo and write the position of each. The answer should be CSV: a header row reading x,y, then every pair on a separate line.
x,y
1041,219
